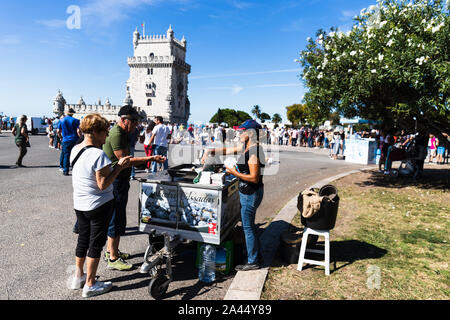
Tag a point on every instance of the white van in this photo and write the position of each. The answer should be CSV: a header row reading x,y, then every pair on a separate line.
x,y
37,125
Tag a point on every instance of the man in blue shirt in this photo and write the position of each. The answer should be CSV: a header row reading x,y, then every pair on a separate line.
x,y
69,133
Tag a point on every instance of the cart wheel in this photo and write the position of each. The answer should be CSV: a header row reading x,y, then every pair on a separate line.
x,y
157,287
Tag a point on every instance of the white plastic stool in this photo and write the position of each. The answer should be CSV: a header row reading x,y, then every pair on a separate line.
x,y
303,250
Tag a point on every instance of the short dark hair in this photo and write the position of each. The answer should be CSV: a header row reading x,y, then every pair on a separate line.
x,y
129,112
160,119
151,125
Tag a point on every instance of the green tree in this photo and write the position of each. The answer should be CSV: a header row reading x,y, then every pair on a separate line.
x,y
297,114
393,65
276,119
335,118
264,117
243,116
219,116
256,111
230,116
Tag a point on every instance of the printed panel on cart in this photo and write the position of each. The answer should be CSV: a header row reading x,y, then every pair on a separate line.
x,y
159,204
199,211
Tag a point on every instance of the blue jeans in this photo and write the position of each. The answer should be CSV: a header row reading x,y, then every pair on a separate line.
x,y
249,205
133,169
118,223
159,151
64,159
55,141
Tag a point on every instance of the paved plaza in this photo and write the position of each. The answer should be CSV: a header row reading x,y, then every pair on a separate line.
x,y
38,245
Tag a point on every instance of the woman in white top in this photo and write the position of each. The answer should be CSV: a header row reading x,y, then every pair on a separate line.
x,y
92,178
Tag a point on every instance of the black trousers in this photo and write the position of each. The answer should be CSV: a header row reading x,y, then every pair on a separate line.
x,y
23,151
93,229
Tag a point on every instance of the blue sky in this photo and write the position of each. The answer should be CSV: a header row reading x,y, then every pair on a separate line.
x,y
241,52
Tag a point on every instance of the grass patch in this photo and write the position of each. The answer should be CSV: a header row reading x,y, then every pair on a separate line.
x,y
389,243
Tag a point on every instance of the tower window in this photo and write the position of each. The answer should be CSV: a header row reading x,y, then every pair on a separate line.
x,y
149,102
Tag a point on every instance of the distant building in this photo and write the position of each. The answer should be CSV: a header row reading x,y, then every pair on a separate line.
x,y
82,109
157,85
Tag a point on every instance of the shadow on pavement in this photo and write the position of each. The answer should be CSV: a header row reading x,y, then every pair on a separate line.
x,y
183,269
26,167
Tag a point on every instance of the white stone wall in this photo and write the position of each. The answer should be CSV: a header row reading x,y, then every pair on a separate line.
x,y
158,72
109,112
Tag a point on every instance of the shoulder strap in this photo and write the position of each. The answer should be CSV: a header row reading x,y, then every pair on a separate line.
x,y
79,155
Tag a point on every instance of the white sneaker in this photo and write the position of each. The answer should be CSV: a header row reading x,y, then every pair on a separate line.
x,y
75,283
97,289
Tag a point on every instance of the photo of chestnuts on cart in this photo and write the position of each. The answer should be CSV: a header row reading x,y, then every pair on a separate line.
x,y
198,215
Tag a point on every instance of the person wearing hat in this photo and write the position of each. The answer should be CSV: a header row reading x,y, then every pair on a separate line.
x,y
251,186
22,140
69,133
116,147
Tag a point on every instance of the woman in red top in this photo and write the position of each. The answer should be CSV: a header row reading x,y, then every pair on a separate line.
x,y
147,145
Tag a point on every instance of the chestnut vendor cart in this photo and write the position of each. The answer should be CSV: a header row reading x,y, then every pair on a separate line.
x,y
175,208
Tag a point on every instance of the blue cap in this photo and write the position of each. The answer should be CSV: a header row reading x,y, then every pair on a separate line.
x,y
250,124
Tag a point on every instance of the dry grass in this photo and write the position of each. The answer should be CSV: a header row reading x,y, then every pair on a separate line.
x,y
395,226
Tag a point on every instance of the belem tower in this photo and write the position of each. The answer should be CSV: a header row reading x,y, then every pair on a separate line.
x,y
157,85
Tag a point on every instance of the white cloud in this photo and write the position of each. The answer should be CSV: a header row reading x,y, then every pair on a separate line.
x,y
348,14
106,12
236,89
296,25
277,85
52,23
241,4
241,74
60,42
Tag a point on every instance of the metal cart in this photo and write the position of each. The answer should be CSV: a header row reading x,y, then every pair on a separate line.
x,y
176,210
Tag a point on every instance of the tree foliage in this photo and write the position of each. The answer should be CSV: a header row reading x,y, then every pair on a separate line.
x,y
393,65
230,116
256,111
264,117
297,114
276,118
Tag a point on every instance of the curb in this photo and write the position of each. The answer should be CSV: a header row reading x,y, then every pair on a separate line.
x,y
248,285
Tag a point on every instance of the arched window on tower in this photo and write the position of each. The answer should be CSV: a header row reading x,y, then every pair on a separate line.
x,y
149,102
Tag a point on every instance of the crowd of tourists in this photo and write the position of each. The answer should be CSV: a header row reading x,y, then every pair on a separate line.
x,y
332,140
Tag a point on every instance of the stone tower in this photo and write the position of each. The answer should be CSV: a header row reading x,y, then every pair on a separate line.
x,y
59,104
158,81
